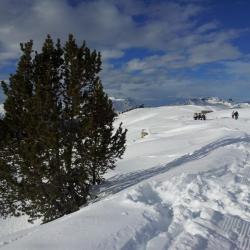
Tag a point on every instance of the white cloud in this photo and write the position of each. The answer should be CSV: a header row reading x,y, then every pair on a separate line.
x,y
212,52
238,69
109,26
136,64
106,25
111,54
211,26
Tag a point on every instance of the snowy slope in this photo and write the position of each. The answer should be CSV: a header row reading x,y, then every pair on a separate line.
x,y
183,186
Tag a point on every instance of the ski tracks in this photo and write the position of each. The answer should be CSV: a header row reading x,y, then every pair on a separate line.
x,y
121,182
8,239
189,211
197,211
193,220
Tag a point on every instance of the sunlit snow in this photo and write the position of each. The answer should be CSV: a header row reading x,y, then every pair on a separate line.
x,y
185,185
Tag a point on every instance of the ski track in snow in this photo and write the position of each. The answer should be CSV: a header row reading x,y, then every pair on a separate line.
x,y
193,227
160,228
14,237
119,183
196,201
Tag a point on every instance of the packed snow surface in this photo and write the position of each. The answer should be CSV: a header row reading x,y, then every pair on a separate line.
x,y
185,185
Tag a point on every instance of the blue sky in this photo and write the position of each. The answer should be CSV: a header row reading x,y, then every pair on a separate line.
x,y
152,50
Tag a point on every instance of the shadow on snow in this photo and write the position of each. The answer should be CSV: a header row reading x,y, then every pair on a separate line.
x,y
118,183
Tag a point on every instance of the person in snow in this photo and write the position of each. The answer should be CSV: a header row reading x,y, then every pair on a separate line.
x,y
236,115
203,117
233,114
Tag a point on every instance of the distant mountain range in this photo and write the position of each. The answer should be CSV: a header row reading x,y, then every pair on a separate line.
x,y
212,101
215,101
124,104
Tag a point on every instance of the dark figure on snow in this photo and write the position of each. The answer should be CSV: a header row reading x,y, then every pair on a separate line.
x,y
199,116
236,115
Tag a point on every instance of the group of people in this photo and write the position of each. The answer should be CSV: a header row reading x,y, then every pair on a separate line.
x,y
235,115
199,116
202,116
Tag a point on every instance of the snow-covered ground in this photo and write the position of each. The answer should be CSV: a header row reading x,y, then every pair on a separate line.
x,y
183,186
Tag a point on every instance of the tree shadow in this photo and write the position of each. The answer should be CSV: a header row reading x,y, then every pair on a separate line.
x,y
118,183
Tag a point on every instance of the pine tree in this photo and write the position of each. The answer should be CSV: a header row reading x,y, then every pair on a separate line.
x,y
103,146
41,146
18,95
59,136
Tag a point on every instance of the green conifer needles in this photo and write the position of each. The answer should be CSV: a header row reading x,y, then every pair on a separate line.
x,y
57,136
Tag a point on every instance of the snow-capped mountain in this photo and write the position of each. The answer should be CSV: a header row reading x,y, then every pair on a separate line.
x,y
214,101
185,185
123,104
